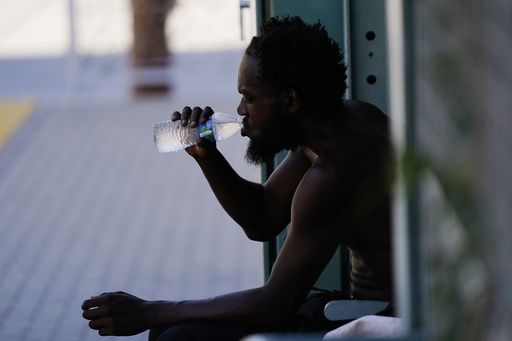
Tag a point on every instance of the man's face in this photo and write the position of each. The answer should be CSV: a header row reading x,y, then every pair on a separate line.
x,y
267,123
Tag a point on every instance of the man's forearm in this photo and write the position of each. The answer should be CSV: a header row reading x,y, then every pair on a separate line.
x,y
243,200
250,307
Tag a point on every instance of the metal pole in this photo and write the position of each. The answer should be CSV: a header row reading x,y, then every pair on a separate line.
x,y
72,54
401,97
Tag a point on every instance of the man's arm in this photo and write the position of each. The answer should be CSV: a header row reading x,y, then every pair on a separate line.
x,y
262,210
312,240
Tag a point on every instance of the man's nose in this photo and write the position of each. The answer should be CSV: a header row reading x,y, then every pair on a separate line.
x,y
241,109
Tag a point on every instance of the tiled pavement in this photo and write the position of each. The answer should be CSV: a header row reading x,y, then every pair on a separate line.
x,y
88,206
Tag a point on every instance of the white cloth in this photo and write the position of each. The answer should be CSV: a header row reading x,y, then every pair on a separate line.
x,y
368,326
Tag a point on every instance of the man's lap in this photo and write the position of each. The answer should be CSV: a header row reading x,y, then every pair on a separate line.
x,y
206,331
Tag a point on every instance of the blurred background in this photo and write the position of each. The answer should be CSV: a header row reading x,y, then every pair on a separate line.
x,y
86,203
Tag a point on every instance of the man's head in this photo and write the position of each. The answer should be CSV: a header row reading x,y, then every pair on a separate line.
x,y
291,67
269,121
291,54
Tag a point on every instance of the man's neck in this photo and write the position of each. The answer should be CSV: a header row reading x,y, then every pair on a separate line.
x,y
319,133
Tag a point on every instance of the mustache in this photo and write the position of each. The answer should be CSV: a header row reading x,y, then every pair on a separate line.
x,y
245,123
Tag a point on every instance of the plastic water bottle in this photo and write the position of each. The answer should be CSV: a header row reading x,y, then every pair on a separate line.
x,y
171,136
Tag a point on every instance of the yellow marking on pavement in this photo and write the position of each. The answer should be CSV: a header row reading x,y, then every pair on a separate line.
x,y
12,115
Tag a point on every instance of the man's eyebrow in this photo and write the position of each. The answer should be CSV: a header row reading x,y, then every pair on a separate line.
x,y
250,88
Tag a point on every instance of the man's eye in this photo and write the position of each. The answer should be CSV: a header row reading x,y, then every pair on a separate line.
x,y
247,100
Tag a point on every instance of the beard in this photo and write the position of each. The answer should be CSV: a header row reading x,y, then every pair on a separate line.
x,y
280,132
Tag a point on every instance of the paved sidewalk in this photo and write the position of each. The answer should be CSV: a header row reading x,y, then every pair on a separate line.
x,y
88,205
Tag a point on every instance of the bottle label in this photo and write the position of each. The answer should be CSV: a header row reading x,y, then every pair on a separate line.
x,y
205,130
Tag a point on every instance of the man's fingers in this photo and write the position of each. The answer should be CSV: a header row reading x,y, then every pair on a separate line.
x,y
104,325
185,116
205,114
95,301
205,144
91,303
93,313
105,332
194,117
175,116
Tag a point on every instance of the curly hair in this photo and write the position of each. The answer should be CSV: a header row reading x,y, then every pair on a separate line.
x,y
291,54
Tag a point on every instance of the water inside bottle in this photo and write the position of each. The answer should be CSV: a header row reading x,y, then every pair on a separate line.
x,y
171,136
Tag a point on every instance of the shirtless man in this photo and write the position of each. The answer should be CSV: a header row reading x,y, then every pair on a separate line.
x,y
333,187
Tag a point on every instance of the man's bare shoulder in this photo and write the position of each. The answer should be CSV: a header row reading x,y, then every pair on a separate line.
x,y
362,108
325,180
371,118
305,153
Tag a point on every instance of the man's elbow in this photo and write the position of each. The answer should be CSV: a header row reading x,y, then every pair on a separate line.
x,y
257,236
262,234
279,309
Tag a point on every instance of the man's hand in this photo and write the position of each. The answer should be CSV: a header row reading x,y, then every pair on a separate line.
x,y
192,117
117,313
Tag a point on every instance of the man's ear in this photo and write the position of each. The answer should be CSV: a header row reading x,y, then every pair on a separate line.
x,y
291,100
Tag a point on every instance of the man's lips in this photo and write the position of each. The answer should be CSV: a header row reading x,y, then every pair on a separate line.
x,y
245,128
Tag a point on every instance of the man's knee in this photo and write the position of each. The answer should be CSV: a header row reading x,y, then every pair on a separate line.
x,y
203,331
190,332
180,332
154,333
